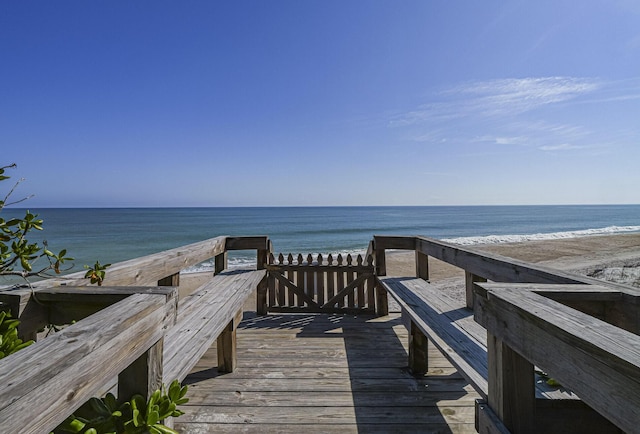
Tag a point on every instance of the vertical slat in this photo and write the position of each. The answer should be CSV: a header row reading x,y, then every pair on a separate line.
x,y
280,294
340,281
511,387
300,279
310,278
350,278
361,300
330,279
291,296
320,278
272,287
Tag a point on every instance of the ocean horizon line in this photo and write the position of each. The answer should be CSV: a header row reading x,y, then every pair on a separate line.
x,y
318,206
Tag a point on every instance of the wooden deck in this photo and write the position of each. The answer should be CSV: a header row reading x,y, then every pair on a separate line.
x,y
317,373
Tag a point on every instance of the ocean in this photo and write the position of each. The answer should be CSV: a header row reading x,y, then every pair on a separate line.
x,y
118,234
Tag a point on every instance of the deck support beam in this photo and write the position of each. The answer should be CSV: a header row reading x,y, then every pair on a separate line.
x,y
144,375
511,387
227,345
418,351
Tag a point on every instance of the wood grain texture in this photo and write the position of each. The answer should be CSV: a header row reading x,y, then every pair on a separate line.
x,y
598,361
33,379
148,270
323,374
202,316
461,339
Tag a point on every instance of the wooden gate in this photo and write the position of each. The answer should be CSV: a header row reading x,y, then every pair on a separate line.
x,y
329,285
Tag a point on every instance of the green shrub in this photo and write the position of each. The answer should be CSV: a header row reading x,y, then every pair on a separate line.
x,y
135,416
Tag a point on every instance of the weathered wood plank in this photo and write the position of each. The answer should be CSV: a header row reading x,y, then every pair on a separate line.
x,y
286,369
499,268
384,242
337,415
307,366
462,349
118,335
593,358
147,270
197,328
327,428
260,242
296,385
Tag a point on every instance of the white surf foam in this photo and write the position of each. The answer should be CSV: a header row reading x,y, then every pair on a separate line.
x,y
495,239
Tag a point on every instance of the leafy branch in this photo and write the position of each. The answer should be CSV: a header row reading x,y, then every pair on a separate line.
x,y
23,258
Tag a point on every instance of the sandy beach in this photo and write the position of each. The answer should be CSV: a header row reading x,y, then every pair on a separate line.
x,y
608,257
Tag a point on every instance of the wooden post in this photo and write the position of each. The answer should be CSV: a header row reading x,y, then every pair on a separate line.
x,y
381,263
382,303
143,376
261,295
173,280
511,387
470,279
226,345
422,265
418,351
220,263
263,255
23,305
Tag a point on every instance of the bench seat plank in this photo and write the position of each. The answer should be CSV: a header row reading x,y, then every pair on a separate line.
x,y
202,316
432,311
450,326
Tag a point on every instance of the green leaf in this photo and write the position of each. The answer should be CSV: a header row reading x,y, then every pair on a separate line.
x,y
153,418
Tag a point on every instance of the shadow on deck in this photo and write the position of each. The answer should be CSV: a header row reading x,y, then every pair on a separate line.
x,y
325,373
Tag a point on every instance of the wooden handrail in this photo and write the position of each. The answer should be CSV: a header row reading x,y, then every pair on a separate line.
x,y
479,266
597,360
41,385
158,268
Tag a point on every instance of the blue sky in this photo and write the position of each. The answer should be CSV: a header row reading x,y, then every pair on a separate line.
x,y
269,103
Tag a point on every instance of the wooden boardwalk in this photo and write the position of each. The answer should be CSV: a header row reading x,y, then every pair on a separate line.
x,y
318,373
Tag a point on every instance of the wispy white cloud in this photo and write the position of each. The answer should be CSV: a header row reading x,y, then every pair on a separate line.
x,y
560,147
501,97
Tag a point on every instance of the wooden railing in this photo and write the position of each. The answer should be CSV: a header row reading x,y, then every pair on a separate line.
x,y
478,266
583,332
118,333
329,285
597,360
590,339
41,385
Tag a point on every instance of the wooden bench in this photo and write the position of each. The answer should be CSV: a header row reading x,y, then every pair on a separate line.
x,y
431,315
213,311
